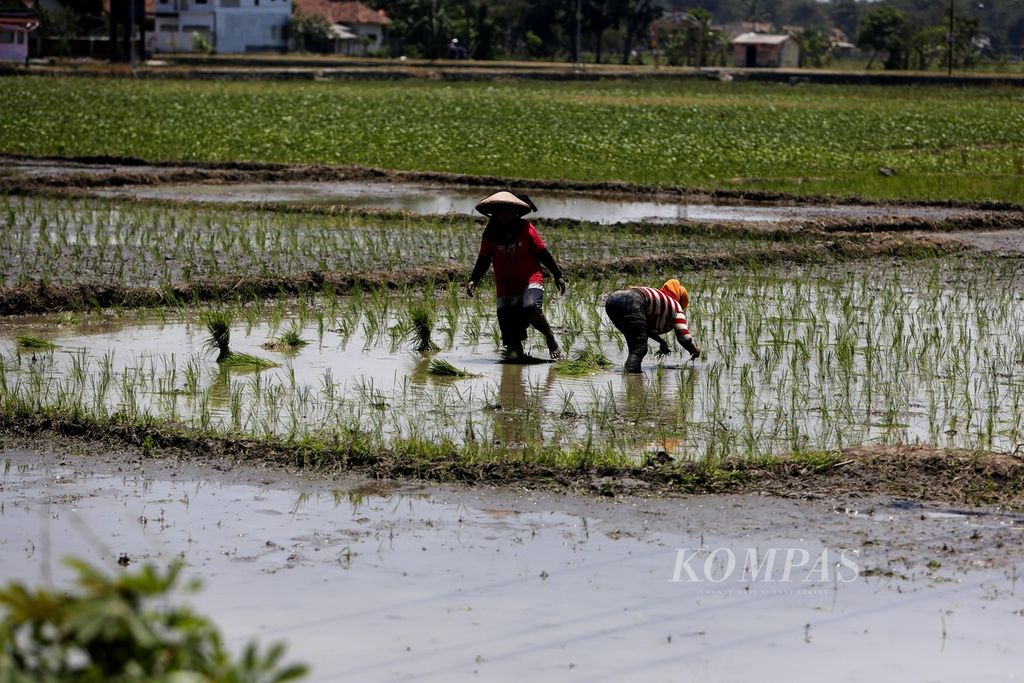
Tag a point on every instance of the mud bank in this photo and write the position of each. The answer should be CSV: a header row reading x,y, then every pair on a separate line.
x,y
44,297
914,472
376,580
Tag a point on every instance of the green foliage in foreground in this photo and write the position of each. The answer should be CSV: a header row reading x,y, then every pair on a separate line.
x,y
110,631
813,139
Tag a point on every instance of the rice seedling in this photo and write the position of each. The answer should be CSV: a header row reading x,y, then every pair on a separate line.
x,y
118,242
28,342
587,361
851,359
443,368
289,340
218,327
422,319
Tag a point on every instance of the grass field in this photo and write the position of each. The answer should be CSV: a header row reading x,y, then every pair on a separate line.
x,y
943,143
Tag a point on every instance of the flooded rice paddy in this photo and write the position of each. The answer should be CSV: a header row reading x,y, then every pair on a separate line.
x,y
376,581
426,199
795,360
433,199
400,581
64,242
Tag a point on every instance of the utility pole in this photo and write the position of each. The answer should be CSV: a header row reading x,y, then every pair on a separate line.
x,y
131,33
949,42
579,18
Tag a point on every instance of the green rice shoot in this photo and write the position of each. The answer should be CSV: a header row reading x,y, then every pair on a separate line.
x,y
218,327
422,326
290,340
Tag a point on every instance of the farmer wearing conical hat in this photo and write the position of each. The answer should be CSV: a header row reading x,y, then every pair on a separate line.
x,y
643,313
515,247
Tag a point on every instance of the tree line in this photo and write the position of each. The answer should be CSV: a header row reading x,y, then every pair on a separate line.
x,y
901,34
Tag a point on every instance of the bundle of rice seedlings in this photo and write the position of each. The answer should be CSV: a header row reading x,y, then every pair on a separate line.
x,y
587,361
218,326
443,368
290,340
29,343
422,325
246,361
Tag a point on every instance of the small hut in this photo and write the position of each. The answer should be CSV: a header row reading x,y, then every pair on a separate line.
x,y
754,50
14,30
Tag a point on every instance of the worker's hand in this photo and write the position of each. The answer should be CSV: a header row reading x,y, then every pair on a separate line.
x,y
561,284
694,351
470,288
664,350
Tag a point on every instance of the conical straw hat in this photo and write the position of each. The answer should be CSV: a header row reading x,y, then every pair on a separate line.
x,y
488,205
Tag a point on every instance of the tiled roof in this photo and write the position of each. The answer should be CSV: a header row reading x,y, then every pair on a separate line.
x,y
26,23
150,6
343,12
760,39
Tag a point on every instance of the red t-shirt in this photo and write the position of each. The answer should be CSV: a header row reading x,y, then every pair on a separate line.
x,y
515,262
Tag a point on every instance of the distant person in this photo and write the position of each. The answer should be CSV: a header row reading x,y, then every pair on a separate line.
x,y
455,50
642,313
515,247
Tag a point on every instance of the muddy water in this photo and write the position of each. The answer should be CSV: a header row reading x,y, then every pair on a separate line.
x,y
379,384
27,168
379,581
1003,240
424,199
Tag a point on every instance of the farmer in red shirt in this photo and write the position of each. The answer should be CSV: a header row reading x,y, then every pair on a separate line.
x,y
515,247
641,313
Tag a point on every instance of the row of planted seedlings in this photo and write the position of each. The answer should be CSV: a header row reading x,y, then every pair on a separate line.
x,y
795,360
157,244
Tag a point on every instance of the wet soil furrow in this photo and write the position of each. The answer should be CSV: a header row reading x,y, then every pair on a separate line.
x,y
915,472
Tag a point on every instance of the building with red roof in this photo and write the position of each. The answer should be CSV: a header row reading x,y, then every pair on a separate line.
x,y
357,29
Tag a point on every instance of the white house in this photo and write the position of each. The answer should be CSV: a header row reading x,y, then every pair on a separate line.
x,y
14,29
230,26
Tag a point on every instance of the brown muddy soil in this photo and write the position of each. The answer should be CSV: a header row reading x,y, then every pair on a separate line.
x,y
954,477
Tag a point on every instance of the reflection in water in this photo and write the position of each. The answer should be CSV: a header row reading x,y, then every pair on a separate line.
x,y
517,423
665,419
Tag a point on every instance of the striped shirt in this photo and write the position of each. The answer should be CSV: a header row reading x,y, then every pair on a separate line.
x,y
664,313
